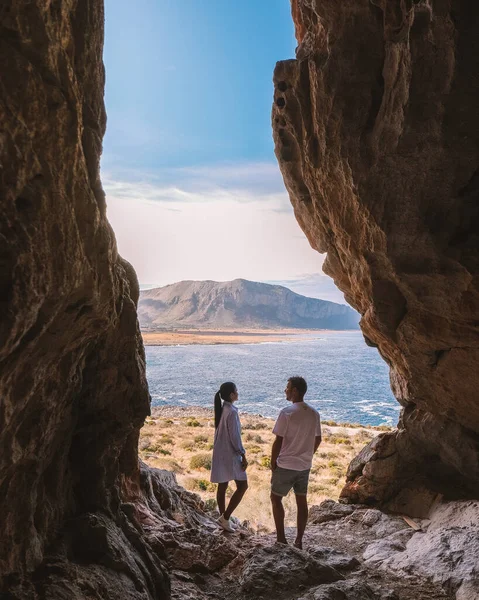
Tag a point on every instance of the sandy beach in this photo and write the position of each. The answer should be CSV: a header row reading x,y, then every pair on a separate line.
x,y
225,336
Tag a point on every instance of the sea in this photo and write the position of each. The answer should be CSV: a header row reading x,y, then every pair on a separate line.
x,y
348,382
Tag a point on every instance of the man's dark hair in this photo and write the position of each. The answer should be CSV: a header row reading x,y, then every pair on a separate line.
x,y
300,384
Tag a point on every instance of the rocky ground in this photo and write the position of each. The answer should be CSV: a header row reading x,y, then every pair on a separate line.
x,y
350,553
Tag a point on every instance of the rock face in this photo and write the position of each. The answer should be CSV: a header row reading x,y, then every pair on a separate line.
x,y
72,372
377,137
446,552
238,303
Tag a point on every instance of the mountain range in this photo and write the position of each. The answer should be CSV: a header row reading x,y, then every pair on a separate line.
x,y
238,304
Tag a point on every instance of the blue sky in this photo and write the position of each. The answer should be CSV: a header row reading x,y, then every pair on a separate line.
x,y
193,187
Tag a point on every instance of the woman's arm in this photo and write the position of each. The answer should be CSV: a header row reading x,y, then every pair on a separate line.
x,y
233,427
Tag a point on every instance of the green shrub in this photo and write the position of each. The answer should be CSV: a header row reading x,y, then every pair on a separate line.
x,y
191,422
330,423
338,439
156,449
202,441
254,449
202,485
206,486
201,461
265,461
167,423
210,504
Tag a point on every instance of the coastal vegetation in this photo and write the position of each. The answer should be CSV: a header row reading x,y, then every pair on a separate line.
x,y
183,443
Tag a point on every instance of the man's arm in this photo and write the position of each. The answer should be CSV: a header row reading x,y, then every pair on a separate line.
x,y
317,441
278,442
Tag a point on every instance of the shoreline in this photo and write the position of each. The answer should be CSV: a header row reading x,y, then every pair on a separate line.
x,y
207,337
185,412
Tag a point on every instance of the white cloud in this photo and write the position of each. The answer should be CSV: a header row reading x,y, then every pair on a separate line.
x,y
216,222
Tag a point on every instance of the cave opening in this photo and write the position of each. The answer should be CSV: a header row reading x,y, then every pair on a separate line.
x,y
187,201
383,179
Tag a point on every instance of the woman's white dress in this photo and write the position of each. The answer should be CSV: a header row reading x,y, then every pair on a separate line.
x,y
227,449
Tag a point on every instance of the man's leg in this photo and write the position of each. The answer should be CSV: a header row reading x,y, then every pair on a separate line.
x,y
278,515
241,487
302,506
221,496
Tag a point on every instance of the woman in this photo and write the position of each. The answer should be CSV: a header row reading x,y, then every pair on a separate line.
x,y
229,457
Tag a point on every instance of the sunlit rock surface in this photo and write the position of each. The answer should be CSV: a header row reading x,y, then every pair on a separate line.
x,y
377,136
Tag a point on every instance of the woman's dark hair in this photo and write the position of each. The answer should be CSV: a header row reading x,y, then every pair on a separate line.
x,y
226,389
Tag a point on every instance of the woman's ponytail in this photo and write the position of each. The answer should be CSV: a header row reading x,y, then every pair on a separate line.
x,y
226,389
218,409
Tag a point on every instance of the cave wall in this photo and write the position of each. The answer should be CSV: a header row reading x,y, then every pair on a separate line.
x,y
72,367
376,133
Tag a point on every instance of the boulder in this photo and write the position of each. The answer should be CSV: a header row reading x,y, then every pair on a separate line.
x,y
328,510
281,568
377,136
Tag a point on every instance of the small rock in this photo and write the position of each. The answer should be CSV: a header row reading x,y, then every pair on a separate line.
x,y
334,558
371,516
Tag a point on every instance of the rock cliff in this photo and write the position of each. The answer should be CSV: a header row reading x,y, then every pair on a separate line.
x,y
72,374
393,201
377,136
238,303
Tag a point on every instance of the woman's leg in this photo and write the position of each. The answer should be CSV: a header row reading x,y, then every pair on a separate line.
x,y
241,487
221,496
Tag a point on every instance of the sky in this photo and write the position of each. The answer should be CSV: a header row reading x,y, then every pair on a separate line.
x,y
193,187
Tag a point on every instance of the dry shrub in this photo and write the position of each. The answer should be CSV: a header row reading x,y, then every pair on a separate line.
x,y
249,437
144,442
194,484
165,439
190,446
201,461
256,425
336,438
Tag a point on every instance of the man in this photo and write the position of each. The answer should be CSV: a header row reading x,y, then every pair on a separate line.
x,y
298,435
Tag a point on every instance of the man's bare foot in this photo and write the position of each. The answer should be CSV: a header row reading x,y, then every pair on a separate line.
x,y
298,544
283,541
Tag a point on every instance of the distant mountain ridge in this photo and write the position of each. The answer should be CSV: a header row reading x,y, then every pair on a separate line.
x,y
240,304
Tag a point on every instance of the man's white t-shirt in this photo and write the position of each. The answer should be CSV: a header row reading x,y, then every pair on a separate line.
x,y
298,425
